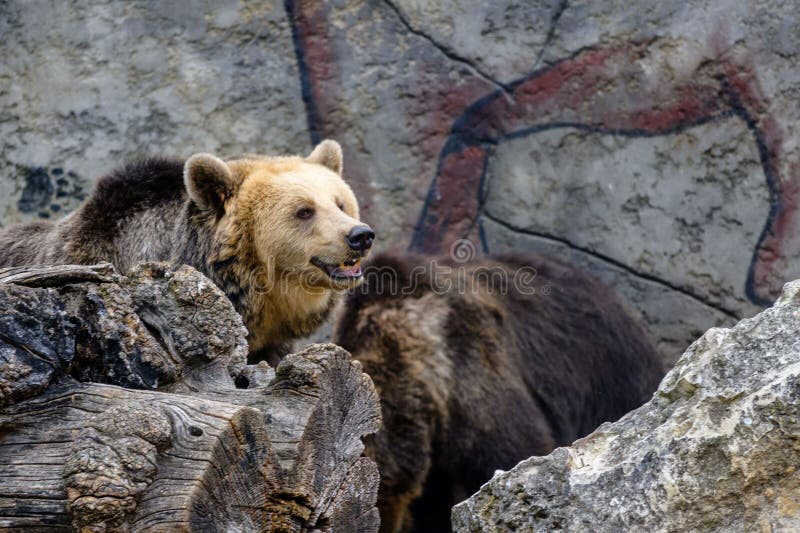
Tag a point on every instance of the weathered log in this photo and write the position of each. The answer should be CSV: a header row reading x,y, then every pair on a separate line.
x,y
185,450
56,275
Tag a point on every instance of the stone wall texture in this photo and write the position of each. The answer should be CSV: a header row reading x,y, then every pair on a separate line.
x,y
652,142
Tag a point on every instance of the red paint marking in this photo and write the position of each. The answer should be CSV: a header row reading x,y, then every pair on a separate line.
x,y
455,203
572,92
771,257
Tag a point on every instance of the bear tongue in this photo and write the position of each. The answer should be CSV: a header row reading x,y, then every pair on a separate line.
x,y
352,270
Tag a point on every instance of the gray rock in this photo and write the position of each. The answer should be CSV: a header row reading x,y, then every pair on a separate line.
x,y
472,30
87,86
714,450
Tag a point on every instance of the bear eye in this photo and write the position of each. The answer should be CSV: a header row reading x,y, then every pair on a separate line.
x,y
304,213
340,204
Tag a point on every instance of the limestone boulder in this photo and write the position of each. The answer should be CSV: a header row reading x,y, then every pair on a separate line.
x,y
716,449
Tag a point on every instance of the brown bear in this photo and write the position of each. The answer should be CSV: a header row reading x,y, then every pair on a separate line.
x,y
281,236
482,364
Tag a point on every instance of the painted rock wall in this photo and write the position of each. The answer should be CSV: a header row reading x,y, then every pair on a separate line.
x,y
653,144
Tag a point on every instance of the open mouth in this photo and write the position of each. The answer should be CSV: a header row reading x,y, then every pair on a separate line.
x,y
346,270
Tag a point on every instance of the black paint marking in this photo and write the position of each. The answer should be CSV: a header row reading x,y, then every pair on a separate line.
x,y
448,52
551,32
773,186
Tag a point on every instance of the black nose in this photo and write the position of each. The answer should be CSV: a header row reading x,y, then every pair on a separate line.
x,y
360,238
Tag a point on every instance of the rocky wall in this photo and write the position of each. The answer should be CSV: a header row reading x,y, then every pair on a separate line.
x,y
652,142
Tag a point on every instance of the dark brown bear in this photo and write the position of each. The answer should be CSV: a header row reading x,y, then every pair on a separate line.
x,y
475,375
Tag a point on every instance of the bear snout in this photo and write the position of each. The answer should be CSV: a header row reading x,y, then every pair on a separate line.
x,y
360,238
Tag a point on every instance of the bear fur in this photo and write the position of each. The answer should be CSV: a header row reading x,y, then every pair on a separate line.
x,y
472,380
269,231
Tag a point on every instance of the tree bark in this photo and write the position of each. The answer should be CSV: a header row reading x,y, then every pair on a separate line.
x,y
180,447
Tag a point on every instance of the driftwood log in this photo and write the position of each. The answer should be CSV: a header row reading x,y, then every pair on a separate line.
x,y
126,405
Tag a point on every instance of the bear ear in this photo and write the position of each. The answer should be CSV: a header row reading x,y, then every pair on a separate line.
x,y
208,181
328,153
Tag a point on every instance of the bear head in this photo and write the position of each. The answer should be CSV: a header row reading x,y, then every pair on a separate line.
x,y
290,225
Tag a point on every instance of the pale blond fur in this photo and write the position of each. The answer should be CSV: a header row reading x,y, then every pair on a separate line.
x,y
278,248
